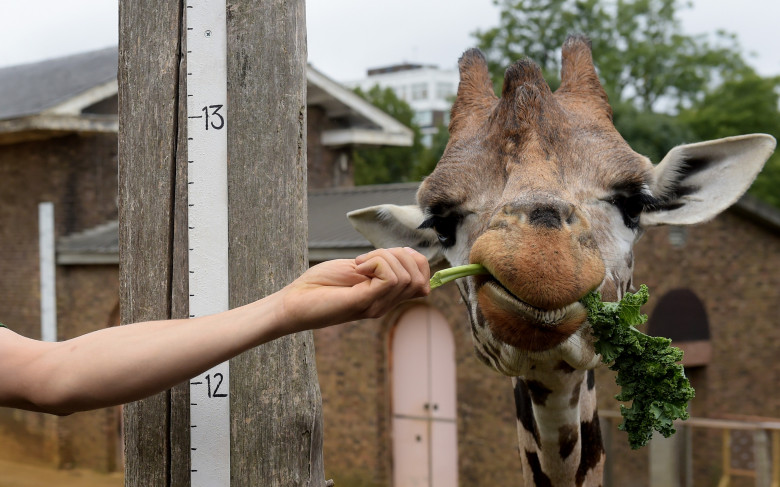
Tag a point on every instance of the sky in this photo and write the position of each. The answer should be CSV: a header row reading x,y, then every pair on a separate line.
x,y
347,37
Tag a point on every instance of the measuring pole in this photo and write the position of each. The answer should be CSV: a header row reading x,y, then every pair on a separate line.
x,y
207,217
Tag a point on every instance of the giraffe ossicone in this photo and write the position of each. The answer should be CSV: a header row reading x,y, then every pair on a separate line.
x,y
541,189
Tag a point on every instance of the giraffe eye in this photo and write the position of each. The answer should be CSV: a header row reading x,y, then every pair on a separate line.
x,y
630,207
445,228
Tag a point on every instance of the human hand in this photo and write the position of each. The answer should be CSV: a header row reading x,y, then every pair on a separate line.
x,y
343,290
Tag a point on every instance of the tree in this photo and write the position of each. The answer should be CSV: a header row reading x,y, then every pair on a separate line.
x,y
388,164
649,133
639,48
747,103
432,154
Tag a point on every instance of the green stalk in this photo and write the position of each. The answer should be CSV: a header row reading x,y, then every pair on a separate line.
x,y
446,275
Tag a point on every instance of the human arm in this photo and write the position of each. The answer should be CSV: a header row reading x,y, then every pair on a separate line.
x,y
126,363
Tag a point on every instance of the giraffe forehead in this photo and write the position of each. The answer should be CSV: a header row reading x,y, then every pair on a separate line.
x,y
479,174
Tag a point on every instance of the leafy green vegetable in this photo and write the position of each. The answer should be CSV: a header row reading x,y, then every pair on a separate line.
x,y
647,368
648,371
446,275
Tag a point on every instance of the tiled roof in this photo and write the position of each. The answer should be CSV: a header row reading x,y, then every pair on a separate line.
x,y
328,224
329,229
30,89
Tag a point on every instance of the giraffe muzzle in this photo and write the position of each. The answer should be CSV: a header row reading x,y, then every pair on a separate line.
x,y
541,263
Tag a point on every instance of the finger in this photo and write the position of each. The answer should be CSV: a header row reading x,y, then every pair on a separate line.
x,y
377,267
422,264
416,266
394,285
360,259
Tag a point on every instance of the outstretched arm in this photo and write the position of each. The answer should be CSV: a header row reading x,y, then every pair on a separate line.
x,y
126,363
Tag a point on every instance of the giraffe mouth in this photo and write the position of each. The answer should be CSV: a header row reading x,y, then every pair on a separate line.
x,y
509,302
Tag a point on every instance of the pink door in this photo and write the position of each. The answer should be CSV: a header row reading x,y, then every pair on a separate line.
x,y
425,441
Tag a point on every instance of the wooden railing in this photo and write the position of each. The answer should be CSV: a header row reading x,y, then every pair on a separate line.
x,y
671,460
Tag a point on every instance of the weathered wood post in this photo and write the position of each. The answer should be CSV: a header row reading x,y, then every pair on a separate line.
x,y
276,421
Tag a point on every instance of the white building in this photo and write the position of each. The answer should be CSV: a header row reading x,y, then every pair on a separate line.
x,y
428,90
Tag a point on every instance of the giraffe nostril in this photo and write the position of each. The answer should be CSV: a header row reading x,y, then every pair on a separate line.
x,y
545,216
550,213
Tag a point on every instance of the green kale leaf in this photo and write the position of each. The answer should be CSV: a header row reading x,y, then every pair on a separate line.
x,y
648,371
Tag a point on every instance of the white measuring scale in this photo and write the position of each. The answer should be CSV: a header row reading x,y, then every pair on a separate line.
x,y
207,223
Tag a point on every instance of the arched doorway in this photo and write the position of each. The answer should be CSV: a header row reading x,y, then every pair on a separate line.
x,y
681,316
425,440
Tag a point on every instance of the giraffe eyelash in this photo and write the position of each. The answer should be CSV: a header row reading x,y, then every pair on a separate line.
x,y
445,227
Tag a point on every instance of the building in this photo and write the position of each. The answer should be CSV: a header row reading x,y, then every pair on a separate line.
x,y
376,376
58,144
426,88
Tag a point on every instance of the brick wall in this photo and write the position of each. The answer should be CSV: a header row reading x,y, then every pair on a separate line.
x,y
327,167
77,174
732,264
353,364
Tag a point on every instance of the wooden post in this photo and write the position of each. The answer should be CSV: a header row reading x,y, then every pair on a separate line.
x,y
276,419
275,388
762,458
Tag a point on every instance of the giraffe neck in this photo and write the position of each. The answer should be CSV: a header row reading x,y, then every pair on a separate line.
x,y
558,427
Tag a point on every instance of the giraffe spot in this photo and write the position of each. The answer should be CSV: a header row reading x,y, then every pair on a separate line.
x,y
591,380
540,478
592,448
480,321
482,357
567,439
564,367
525,411
539,391
575,395
489,352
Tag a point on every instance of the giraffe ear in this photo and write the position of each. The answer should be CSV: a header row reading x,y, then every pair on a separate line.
x,y
397,226
695,182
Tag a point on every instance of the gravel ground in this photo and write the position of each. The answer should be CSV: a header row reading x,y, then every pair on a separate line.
x,y
26,475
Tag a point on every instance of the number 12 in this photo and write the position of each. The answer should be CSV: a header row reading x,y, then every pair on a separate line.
x,y
218,379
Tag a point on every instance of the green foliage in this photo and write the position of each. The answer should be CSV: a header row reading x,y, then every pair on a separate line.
x,y
380,165
649,133
747,103
432,154
647,368
388,164
638,46
651,71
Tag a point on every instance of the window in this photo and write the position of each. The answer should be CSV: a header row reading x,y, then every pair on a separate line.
x,y
419,91
444,90
423,118
400,92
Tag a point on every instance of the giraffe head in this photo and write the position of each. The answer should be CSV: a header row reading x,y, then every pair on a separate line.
x,y
541,189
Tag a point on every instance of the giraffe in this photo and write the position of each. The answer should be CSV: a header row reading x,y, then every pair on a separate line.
x,y
541,189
